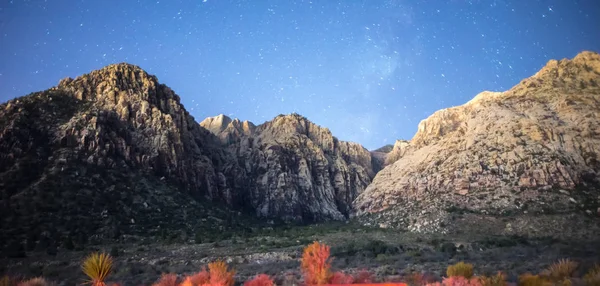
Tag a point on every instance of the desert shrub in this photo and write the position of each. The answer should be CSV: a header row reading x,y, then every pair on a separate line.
x,y
460,281
341,278
97,267
497,280
198,279
220,275
529,279
167,279
38,281
260,280
415,279
460,269
592,277
316,264
562,270
363,276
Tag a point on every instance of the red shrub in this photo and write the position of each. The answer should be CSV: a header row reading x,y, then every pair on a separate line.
x,y
167,280
363,277
260,280
315,264
198,279
341,278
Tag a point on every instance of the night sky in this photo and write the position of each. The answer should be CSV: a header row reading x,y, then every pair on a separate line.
x,y
369,70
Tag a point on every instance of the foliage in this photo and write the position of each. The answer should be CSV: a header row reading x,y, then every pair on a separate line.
x,y
38,281
497,280
341,278
220,274
363,276
592,277
9,281
562,270
97,267
460,281
460,269
168,279
315,264
529,279
260,280
416,279
198,279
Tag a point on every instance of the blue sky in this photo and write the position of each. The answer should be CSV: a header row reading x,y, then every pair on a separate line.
x,y
369,70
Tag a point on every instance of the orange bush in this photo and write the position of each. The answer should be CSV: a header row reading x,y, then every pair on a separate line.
x,y
220,275
169,279
260,280
315,264
341,278
198,279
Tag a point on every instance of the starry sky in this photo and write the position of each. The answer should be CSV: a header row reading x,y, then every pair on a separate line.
x,y
369,70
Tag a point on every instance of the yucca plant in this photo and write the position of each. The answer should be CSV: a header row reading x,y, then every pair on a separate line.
x,y
97,266
460,269
562,270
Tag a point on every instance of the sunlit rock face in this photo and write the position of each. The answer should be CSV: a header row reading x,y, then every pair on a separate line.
x,y
530,154
296,169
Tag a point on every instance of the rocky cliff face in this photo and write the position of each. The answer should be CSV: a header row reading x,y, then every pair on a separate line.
x,y
296,170
106,153
114,152
228,131
529,154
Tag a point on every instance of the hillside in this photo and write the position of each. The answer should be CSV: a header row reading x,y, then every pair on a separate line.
x,y
523,161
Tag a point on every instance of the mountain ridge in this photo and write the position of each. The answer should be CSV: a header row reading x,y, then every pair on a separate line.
x,y
125,140
522,151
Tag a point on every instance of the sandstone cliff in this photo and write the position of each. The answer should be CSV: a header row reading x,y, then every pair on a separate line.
x,y
529,154
296,170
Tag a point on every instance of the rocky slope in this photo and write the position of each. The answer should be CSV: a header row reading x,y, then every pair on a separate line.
x,y
296,170
108,153
114,152
521,161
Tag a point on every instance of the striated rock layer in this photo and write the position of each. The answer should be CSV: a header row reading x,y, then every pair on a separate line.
x,y
296,170
531,153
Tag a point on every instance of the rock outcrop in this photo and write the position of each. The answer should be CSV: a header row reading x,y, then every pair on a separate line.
x,y
228,131
109,152
114,152
530,154
296,170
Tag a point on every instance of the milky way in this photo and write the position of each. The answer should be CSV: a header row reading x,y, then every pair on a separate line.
x,y
369,70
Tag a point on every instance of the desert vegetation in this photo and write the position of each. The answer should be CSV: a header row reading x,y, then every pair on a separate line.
x,y
316,269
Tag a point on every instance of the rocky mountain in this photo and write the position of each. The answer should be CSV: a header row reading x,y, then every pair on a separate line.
x,y
228,131
114,152
108,153
523,161
296,169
